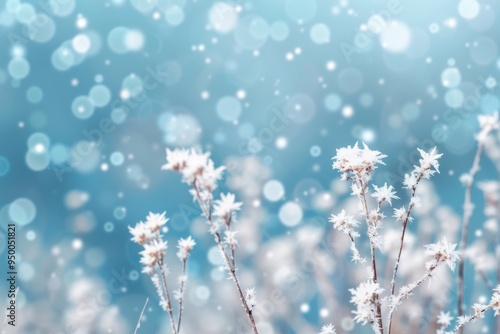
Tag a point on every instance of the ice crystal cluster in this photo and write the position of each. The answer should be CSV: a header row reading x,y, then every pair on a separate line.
x,y
149,235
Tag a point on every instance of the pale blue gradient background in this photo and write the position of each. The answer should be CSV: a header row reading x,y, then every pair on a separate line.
x,y
407,78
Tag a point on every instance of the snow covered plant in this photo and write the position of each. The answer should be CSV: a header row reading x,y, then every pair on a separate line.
x,y
487,124
198,171
148,235
444,319
357,165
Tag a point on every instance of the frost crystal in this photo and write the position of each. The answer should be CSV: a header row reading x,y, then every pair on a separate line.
x,y
487,123
226,206
185,246
328,329
194,167
441,252
230,238
250,298
365,297
495,300
384,193
155,221
444,319
360,162
344,223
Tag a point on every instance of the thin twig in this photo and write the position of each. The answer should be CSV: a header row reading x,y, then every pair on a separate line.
x,y
357,254
485,278
465,227
229,267
181,294
405,294
403,233
472,318
140,316
167,294
363,188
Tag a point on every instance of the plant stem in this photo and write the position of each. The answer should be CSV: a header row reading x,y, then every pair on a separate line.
x,y
403,233
402,295
140,316
167,294
465,228
357,254
372,251
232,269
472,318
181,294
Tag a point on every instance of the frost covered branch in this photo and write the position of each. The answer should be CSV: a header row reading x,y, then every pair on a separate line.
x,y
148,235
198,171
479,310
411,181
487,123
357,164
140,316
441,253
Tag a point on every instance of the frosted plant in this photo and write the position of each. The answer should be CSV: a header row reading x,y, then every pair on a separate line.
x,y
250,298
444,320
328,329
440,253
148,235
356,165
480,309
198,171
487,124
365,297
429,164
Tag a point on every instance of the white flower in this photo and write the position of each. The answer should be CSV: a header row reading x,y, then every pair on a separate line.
x,y
344,223
487,123
495,300
328,329
196,163
153,253
364,297
185,246
444,319
250,298
429,160
442,252
178,294
355,160
230,238
479,310
176,160
196,168
416,201
429,165
410,180
375,216
384,193
225,207
155,221
141,234
400,214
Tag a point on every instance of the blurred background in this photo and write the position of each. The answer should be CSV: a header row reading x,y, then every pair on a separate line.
x,y
92,92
